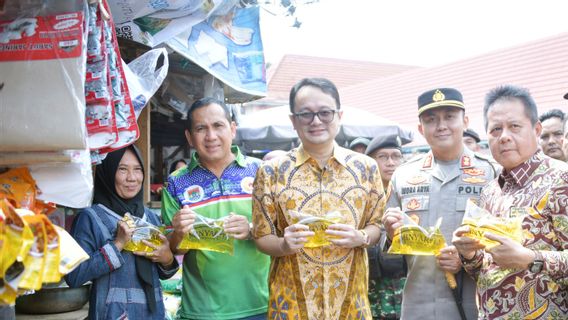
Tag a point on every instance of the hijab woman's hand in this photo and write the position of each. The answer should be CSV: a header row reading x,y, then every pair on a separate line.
x,y
123,234
161,254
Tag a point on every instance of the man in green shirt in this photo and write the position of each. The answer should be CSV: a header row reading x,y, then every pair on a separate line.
x,y
216,183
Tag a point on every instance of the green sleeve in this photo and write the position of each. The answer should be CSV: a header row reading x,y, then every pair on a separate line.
x,y
170,207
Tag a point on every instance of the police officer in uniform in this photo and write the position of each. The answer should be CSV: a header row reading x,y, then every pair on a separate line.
x,y
438,184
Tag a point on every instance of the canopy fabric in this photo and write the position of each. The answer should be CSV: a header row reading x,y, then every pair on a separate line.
x,y
271,129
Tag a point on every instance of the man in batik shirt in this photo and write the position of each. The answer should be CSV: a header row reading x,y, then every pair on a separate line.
x,y
327,282
525,280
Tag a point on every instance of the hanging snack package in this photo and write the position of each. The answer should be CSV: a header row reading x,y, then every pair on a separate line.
x,y
20,238
413,239
52,253
34,262
208,234
71,254
317,224
480,221
142,231
19,187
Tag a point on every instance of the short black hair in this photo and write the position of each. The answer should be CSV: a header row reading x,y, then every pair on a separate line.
x,y
203,102
553,113
174,164
323,84
511,92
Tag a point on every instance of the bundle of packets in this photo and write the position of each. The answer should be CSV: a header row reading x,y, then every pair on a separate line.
x,y
413,239
481,221
33,251
208,234
318,225
142,231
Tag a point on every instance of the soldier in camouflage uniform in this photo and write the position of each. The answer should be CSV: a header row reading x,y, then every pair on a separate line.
x,y
387,273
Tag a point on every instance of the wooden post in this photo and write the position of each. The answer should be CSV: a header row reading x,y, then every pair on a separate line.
x,y
143,144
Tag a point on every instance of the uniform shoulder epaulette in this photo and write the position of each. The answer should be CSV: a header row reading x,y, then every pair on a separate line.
x,y
496,166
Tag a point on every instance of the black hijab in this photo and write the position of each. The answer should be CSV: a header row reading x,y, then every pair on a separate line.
x,y
105,194
105,190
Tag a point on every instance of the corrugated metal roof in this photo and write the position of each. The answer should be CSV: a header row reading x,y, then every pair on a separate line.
x,y
540,66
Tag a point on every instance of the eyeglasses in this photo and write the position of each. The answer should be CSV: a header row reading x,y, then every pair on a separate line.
x,y
325,116
385,157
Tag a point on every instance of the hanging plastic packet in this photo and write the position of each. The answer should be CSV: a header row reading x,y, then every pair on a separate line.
x,y
52,253
318,225
20,238
35,260
208,234
142,231
19,187
413,239
481,221
71,254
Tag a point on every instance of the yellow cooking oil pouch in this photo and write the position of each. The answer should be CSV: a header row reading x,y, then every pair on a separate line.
x,y
19,239
317,224
52,254
35,260
413,239
208,234
480,221
71,253
143,230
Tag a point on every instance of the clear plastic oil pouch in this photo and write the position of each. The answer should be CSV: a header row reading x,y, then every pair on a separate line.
x,y
413,239
208,234
143,230
481,221
317,224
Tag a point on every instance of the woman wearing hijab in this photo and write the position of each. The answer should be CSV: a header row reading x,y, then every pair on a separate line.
x,y
125,285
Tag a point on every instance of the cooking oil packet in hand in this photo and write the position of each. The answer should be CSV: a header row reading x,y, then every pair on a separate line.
x,y
208,234
317,224
481,221
143,230
413,239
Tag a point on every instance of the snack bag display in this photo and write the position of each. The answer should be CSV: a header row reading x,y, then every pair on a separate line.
x,y
317,224
34,262
20,237
413,239
208,234
71,254
52,253
19,187
142,231
480,221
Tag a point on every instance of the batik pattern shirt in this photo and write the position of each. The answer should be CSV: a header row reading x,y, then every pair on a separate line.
x,y
541,183
327,282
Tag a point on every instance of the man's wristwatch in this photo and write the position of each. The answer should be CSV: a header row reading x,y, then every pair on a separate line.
x,y
538,262
366,239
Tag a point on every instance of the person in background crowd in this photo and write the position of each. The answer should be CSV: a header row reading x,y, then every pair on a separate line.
x,y
438,184
552,136
273,154
359,144
216,183
520,280
471,140
125,285
178,164
565,144
387,273
318,177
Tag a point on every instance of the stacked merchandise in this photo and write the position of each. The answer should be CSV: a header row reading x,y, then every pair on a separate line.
x,y
110,117
33,251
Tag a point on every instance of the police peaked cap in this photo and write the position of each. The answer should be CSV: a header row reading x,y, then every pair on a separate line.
x,y
440,97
